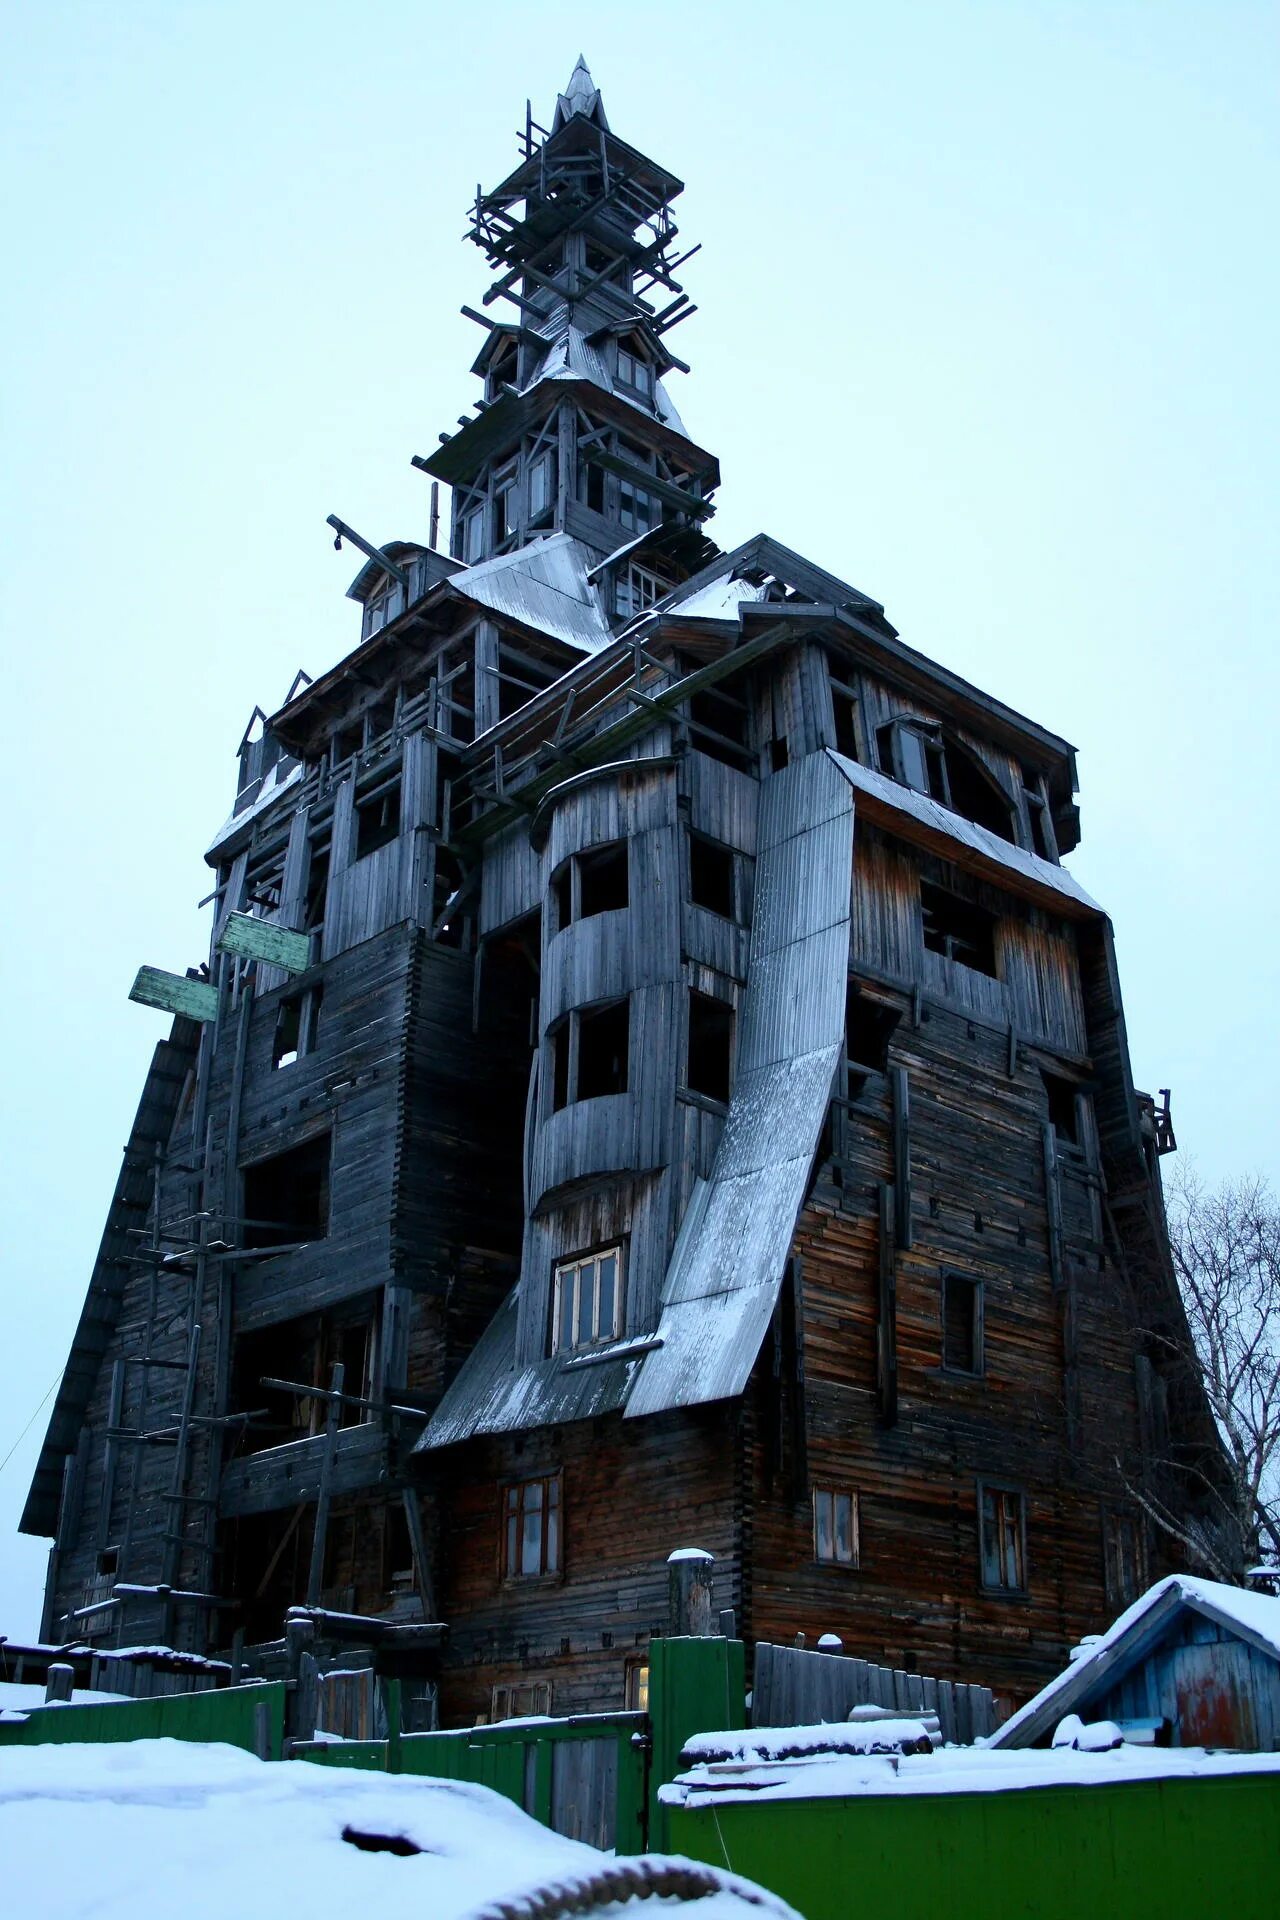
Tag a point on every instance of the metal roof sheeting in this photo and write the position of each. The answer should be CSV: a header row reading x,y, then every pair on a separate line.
x,y
931,813
726,1271
543,585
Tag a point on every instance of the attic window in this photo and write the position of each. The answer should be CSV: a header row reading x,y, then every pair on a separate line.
x,y
711,876
637,590
635,372
377,820
710,1053
385,606
913,755
587,1300
958,929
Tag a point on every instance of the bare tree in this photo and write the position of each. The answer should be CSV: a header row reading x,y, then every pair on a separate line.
x,y
1226,1252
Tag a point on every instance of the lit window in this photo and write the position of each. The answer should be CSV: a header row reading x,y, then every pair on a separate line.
x,y
835,1527
587,1302
635,1693
531,1529
1002,1539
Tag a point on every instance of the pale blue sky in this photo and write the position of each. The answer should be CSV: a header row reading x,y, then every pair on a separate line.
x,y
987,325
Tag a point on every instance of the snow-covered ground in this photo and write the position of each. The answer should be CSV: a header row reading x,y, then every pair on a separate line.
x,y
162,1828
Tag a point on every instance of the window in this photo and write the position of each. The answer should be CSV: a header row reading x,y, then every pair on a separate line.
x,y
377,820
1064,1109
1033,794
387,606
961,1324
835,1527
506,509
473,542
602,879
711,876
719,723
286,1198
635,1684
634,372
519,1702
869,1025
1002,1533
317,888
586,1304
638,589
347,742
595,487
562,894
531,1528
637,510
603,1040
958,929
1123,1557
913,756
710,1055
297,1020
542,487
302,1351
560,1066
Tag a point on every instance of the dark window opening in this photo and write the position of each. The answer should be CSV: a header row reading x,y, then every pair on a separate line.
x,y
1002,1540
286,1198
869,1026
287,1041
448,931
377,820
317,888
347,741
603,1040
265,1559
976,794
835,1527
1039,833
779,755
711,876
108,1563
380,718
961,1324
586,1300
1123,1558
843,706
300,1353
602,879
958,929
719,724
710,1047
531,1528
595,487
562,895
1064,1112
560,1066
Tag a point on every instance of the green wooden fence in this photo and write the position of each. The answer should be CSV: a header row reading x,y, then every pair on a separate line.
x,y
251,1717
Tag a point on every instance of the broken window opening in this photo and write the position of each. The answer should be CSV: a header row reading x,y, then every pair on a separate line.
x,y
976,793
303,1351
1002,1539
709,1062
1064,1107
594,487
637,589
347,742
317,888
531,1528
602,879
835,1527
562,895
962,1345
286,1198
844,709
446,883
719,723
711,876
958,929
603,1042
586,1303
560,1037
869,1026
377,820
286,1042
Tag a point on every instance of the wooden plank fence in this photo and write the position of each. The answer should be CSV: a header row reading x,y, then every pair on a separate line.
x,y
793,1687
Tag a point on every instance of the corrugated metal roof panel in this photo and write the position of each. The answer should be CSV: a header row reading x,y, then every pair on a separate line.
x,y
543,585
931,813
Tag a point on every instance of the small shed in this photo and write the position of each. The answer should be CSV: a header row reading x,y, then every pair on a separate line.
x,y
1190,1664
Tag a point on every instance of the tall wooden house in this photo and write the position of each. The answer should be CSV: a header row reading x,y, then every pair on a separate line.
x,y
653,1084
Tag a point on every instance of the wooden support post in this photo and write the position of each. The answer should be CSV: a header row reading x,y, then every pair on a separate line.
x,y
332,1413
1053,1208
887,1317
901,1157
689,1581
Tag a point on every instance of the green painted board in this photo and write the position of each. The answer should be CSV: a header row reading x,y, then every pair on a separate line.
x,y
263,940
174,993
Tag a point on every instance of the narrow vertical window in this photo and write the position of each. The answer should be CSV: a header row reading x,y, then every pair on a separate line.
x,y
835,1527
531,1528
1002,1539
961,1324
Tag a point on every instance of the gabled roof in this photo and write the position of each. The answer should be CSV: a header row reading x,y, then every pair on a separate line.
x,y
1251,1617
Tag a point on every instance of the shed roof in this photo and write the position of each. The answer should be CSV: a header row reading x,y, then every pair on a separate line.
x,y
1251,1617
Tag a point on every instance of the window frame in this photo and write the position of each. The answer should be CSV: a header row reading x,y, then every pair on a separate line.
x,y
574,1266
1002,1490
978,1371
566,1032
551,1501
503,1693
853,1562
716,1007
735,915
1115,1518
952,942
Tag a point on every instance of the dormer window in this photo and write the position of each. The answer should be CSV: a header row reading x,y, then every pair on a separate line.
x,y
913,755
635,372
384,607
637,590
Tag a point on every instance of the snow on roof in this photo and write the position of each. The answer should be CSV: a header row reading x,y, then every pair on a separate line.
x,y
826,1776
543,585
154,1828
1255,1617
717,600
273,785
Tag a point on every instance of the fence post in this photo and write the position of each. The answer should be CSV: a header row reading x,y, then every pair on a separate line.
x,y
696,1685
690,1590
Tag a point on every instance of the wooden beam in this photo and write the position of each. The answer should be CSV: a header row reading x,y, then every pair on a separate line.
x,y
175,993
263,940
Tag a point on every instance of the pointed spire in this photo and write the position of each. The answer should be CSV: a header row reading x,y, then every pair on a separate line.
x,y
581,96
